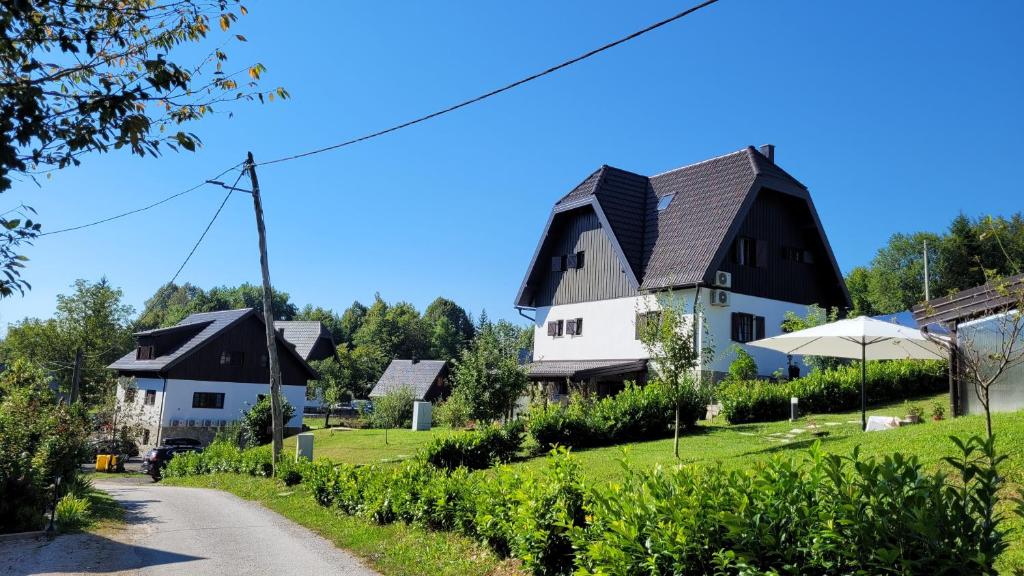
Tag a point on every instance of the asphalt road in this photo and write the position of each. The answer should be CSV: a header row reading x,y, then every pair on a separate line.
x,y
171,530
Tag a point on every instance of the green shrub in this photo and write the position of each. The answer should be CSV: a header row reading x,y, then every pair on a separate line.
x,y
824,514
531,517
393,410
743,367
257,422
453,412
221,456
832,390
476,449
72,512
635,413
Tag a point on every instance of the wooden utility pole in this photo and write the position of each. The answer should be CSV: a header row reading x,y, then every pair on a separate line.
x,y
76,377
268,319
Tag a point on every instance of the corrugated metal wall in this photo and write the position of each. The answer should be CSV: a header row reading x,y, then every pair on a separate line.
x,y
1007,393
601,277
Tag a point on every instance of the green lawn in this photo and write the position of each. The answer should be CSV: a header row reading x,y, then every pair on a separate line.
x,y
393,549
364,446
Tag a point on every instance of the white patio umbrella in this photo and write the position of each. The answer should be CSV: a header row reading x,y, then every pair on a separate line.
x,y
860,338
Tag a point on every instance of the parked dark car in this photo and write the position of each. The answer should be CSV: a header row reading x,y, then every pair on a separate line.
x,y
154,462
182,442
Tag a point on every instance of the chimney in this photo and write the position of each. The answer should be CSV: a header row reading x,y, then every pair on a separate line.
x,y
768,150
415,359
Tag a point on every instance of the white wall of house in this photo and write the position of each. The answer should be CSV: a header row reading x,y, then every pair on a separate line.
x,y
238,396
609,329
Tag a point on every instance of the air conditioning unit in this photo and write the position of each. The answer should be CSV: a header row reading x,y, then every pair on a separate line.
x,y
207,423
720,298
175,422
723,279
191,423
222,423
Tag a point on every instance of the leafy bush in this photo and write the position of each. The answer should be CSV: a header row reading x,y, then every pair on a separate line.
x,y
453,412
832,390
257,422
221,456
636,413
40,440
825,514
393,410
72,512
476,449
743,367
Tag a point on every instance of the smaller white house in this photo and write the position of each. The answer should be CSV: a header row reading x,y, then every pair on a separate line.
x,y
195,378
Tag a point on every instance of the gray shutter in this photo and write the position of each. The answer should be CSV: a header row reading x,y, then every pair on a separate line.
x,y
556,263
570,261
552,328
579,326
758,327
762,253
579,259
570,327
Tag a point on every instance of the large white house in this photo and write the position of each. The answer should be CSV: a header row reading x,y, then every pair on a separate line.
x,y
735,234
198,376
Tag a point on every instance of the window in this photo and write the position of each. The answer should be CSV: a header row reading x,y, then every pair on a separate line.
x,y
129,394
232,358
213,400
557,263
574,326
645,319
560,327
579,259
664,201
798,255
144,353
150,398
747,327
745,252
145,436
570,261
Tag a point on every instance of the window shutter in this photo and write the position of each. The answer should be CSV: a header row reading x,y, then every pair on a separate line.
x,y
579,326
552,328
560,325
758,327
735,327
570,261
579,259
556,263
570,327
762,254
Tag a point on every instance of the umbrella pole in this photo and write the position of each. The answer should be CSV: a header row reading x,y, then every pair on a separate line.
x,y
863,395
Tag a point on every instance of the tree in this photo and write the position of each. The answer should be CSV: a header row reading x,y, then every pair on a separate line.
x,y
857,284
334,382
92,318
351,320
169,305
393,410
397,331
81,77
896,281
671,339
450,328
488,375
743,367
172,302
256,421
14,233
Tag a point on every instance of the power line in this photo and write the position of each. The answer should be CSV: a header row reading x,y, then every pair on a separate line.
x,y
505,88
142,209
208,226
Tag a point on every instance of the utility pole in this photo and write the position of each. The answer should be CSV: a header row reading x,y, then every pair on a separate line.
x,y
76,377
926,298
268,319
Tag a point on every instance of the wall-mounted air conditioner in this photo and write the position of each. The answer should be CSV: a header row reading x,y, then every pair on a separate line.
x,y
191,423
723,279
175,422
222,423
207,423
720,298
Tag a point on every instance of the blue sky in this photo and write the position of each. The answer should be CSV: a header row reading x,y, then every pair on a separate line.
x,y
897,116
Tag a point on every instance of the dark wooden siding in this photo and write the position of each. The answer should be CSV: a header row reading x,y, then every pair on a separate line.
x,y
601,277
779,221
248,337
321,350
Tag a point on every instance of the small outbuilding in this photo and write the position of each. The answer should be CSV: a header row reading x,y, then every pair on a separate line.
x,y
428,379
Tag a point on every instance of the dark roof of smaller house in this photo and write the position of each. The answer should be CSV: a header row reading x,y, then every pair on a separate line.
x,y
971,303
580,369
418,375
208,325
304,334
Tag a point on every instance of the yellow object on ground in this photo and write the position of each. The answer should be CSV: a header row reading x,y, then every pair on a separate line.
x,y
102,462
113,463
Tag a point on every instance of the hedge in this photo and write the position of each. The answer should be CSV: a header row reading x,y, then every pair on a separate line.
x,y
635,413
832,390
475,449
820,514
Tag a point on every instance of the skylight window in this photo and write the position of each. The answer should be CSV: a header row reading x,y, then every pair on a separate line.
x,y
665,200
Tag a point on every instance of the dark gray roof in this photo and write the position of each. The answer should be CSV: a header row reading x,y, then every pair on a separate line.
x,y
418,376
208,324
579,369
304,334
681,244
